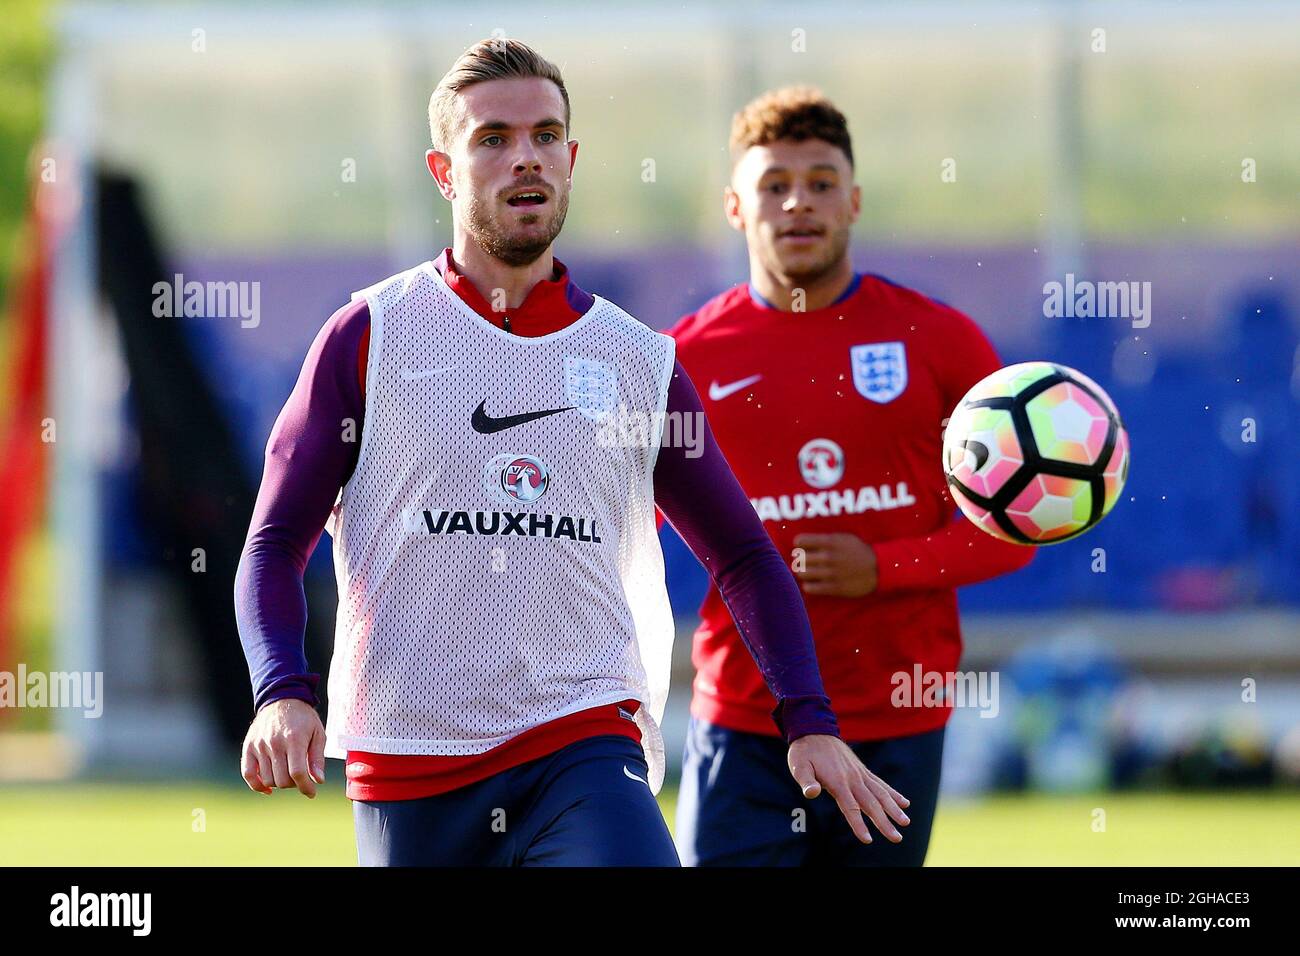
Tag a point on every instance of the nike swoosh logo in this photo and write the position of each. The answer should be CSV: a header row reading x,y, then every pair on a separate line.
x,y
719,392
631,775
485,424
408,374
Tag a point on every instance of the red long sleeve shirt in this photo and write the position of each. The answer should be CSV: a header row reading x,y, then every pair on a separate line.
x,y
833,419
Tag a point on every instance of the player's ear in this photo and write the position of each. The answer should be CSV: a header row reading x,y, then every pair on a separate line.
x,y
439,164
573,157
855,199
731,209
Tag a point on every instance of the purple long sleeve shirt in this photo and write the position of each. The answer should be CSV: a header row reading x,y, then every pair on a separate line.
x,y
307,462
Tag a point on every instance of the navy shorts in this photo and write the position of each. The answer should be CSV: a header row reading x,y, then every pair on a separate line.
x,y
739,806
587,804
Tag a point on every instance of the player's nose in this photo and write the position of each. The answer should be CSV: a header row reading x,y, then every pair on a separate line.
x,y
528,161
797,200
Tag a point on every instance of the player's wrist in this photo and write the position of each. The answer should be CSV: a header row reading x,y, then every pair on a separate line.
x,y
805,716
894,561
300,690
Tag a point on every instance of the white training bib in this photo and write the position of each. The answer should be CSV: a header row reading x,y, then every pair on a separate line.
x,y
495,550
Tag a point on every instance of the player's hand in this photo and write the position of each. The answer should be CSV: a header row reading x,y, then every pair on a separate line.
x,y
285,748
820,760
835,565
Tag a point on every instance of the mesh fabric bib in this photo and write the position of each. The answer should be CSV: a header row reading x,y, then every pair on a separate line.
x,y
495,549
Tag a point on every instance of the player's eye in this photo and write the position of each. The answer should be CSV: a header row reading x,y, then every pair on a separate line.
x,y
775,188
823,185
547,138
492,140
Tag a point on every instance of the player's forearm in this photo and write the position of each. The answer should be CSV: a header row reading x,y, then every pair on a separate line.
x,y
271,615
952,557
764,601
700,497
270,603
309,456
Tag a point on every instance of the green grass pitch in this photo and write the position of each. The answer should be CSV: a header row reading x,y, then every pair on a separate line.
x,y
200,823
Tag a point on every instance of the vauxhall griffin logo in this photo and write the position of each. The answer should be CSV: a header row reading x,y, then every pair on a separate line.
x,y
524,478
821,462
516,477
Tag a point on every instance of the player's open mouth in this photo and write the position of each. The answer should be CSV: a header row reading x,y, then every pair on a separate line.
x,y
802,232
529,198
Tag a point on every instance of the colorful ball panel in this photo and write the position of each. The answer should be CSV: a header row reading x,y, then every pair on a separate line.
x,y
1116,473
1051,507
1096,389
1068,424
987,452
1009,382
986,519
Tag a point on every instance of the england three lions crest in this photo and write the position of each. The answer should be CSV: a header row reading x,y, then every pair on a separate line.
x,y
590,386
879,370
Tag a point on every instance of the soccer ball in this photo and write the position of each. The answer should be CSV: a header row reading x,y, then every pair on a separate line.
x,y
1036,453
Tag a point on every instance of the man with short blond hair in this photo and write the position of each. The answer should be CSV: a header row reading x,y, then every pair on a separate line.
x,y
504,636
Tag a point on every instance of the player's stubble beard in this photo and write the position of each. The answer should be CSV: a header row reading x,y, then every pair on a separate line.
x,y
497,241
806,275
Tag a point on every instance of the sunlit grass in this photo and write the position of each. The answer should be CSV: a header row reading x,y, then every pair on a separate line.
x,y
198,824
